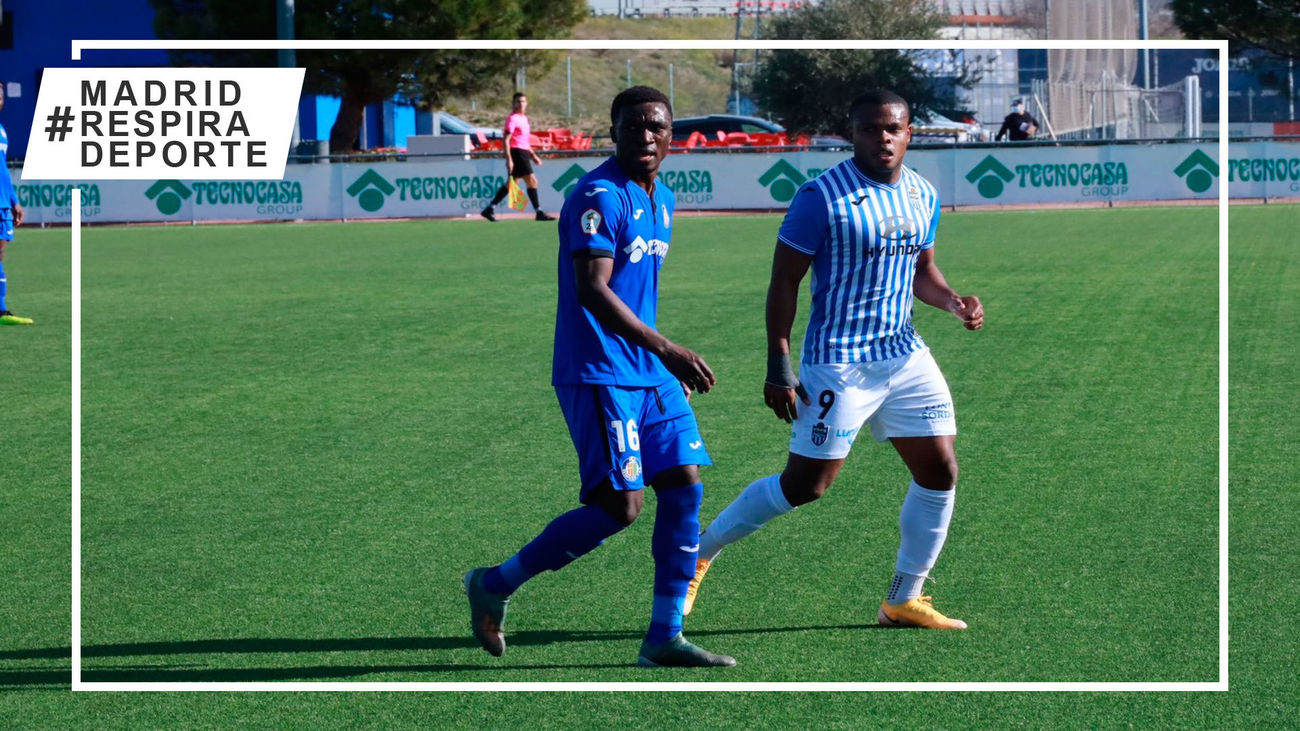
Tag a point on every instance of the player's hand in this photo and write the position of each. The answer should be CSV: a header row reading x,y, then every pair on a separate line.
x,y
18,215
686,390
782,400
969,310
689,368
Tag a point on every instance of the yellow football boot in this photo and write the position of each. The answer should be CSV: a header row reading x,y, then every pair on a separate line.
x,y
918,612
701,568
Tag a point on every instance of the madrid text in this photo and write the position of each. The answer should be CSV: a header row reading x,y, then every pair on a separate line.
x,y
182,124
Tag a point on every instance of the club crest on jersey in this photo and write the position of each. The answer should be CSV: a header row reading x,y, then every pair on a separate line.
x,y
640,247
914,195
896,228
819,433
590,221
631,469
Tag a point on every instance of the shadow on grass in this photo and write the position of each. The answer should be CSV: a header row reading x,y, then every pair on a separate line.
x,y
191,672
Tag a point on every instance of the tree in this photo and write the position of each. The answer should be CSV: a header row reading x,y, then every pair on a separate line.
x,y
1271,25
809,90
366,77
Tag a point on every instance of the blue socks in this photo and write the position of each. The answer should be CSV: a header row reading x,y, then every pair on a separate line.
x,y
568,537
675,546
3,286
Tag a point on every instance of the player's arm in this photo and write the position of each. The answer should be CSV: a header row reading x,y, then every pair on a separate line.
x,y
592,273
930,287
781,388
1002,131
12,198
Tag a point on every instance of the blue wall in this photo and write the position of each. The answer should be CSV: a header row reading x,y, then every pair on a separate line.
x,y
43,33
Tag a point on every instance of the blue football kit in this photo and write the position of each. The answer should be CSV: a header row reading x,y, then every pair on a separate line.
x,y
8,199
8,196
627,415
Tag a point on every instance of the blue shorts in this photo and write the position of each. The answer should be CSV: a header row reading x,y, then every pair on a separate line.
x,y
630,435
6,224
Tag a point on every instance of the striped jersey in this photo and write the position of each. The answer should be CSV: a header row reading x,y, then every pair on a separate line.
x,y
864,237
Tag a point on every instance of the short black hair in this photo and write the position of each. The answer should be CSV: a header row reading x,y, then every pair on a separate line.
x,y
877,98
635,95
518,95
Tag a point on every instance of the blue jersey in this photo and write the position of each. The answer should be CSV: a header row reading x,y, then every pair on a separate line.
x,y
864,238
609,215
8,196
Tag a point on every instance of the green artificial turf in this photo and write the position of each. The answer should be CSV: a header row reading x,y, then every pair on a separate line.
x,y
297,438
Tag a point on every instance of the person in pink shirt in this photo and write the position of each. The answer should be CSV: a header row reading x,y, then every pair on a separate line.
x,y
519,160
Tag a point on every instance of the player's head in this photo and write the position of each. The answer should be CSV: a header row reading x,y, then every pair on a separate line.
x,y
1017,105
641,125
519,102
2,93
880,126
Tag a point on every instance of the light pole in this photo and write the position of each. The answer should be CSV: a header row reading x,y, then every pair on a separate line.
x,y
287,57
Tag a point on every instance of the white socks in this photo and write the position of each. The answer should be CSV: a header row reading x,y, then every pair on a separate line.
x,y
756,504
923,524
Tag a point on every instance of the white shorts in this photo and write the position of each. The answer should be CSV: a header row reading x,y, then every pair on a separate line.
x,y
900,397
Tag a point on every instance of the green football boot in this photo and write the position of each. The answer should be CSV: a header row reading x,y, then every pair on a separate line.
x,y
679,653
487,613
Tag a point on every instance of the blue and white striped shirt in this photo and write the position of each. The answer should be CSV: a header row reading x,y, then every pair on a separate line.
x,y
864,238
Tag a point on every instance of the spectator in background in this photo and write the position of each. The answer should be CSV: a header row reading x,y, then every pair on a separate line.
x,y
1018,125
519,159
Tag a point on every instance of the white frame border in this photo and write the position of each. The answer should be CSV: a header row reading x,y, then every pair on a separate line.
x,y
298,686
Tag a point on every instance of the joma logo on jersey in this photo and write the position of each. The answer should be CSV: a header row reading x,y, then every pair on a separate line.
x,y
640,247
896,228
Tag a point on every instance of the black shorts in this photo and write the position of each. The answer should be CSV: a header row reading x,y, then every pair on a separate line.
x,y
523,162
